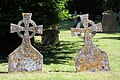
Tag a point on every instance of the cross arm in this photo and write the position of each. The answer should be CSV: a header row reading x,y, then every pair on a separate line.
x,y
96,27
15,28
99,27
38,29
76,31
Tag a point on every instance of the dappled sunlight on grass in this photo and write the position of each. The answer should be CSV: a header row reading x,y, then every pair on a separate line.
x,y
61,76
59,61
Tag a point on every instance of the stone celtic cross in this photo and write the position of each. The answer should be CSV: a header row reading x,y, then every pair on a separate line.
x,y
25,57
90,58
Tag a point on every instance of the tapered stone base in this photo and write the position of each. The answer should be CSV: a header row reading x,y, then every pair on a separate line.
x,y
25,58
92,59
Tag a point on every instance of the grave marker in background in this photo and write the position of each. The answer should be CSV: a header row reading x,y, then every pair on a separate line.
x,y
108,21
90,58
25,57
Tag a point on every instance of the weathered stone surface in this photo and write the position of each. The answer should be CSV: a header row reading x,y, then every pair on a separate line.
x,y
109,21
25,57
90,57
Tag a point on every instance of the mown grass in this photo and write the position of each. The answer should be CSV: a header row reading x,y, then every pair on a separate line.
x,y
59,60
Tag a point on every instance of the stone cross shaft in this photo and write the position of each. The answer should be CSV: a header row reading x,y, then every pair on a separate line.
x,y
90,57
25,57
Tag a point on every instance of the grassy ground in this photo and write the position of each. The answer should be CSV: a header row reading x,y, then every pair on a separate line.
x,y
59,60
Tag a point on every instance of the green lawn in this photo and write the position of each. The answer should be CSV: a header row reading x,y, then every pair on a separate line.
x,y
59,60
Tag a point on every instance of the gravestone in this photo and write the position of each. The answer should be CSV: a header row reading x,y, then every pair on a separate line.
x,y
25,57
90,57
108,21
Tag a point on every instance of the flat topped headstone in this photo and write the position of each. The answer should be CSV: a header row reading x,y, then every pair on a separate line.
x,y
25,57
90,57
109,21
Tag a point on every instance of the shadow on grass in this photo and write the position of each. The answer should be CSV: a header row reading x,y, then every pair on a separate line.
x,y
3,72
117,38
63,71
3,61
59,54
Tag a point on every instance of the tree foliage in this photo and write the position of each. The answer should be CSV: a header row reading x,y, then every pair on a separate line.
x,y
112,4
92,6
46,12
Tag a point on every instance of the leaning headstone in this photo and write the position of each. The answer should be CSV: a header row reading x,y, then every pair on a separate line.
x,y
25,57
90,57
108,21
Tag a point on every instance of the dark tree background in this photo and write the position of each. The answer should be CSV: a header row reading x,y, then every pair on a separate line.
x,y
45,12
93,7
113,5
